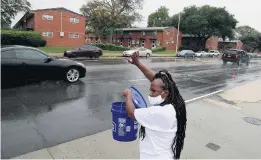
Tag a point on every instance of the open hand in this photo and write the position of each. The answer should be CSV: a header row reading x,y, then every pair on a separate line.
x,y
134,58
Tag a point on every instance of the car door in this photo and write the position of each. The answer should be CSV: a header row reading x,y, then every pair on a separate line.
x,y
91,50
78,51
191,53
83,51
142,51
11,72
33,63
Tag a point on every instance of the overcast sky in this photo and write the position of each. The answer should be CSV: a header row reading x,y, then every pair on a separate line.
x,y
247,12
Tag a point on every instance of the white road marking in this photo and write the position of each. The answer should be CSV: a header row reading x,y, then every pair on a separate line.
x,y
206,95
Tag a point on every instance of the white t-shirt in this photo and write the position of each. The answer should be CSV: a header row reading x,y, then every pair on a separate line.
x,y
160,129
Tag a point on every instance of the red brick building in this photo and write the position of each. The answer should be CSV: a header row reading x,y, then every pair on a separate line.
x,y
59,26
150,37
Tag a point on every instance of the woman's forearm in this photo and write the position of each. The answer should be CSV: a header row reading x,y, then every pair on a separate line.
x,y
130,108
146,71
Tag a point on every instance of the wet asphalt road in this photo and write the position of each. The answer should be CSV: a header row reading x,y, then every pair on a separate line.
x,y
49,113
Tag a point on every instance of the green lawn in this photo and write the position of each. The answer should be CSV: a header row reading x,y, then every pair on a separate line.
x,y
58,51
55,49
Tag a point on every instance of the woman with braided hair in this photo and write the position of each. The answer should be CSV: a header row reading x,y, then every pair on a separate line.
x,y
163,125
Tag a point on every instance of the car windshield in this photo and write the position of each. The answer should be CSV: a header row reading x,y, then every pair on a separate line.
x,y
185,51
231,52
75,48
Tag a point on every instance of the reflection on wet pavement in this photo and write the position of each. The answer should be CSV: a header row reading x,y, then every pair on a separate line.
x,y
50,113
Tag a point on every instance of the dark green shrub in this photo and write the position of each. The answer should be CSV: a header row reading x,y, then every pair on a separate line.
x,y
159,49
182,48
111,47
25,38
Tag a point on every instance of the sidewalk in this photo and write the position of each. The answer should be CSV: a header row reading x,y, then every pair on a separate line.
x,y
217,121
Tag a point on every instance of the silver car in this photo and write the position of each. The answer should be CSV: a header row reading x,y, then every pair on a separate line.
x,y
201,54
186,53
252,55
214,53
142,52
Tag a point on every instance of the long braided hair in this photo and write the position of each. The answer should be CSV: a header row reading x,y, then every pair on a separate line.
x,y
178,102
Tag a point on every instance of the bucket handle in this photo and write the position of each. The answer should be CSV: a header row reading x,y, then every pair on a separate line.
x,y
121,106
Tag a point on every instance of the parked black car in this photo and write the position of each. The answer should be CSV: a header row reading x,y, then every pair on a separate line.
x,y
20,63
84,51
235,56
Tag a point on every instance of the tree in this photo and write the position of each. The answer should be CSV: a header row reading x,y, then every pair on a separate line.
x,y
159,18
204,22
253,41
245,31
105,16
250,37
10,8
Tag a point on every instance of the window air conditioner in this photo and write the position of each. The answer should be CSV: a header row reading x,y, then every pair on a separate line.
x,y
62,34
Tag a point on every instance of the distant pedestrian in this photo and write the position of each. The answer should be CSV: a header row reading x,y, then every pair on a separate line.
x,y
163,125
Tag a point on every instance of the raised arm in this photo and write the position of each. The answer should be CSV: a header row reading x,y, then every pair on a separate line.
x,y
145,70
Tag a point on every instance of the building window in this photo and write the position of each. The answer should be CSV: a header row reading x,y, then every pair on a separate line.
x,y
137,42
168,33
129,43
47,34
167,42
133,41
74,35
74,20
47,17
154,33
142,43
121,42
143,33
153,44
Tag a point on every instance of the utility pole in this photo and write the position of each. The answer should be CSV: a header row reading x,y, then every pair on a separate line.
x,y
177,42
111,37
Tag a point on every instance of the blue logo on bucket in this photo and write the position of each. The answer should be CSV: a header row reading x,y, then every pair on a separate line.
x,y
121,129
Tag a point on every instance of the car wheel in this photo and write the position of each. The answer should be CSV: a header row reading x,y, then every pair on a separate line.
x,y
96,55
147,55
72,75
224,62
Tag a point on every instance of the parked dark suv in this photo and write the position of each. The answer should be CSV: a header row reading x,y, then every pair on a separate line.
x,y
84,51
235,56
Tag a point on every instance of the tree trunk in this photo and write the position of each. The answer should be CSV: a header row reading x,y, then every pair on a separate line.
x,y
254,50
